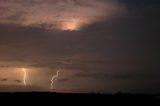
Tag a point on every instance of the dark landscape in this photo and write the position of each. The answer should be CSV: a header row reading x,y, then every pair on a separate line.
x,y
82,98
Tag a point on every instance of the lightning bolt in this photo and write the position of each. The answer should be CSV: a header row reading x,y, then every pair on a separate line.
x,y
53,78
25,77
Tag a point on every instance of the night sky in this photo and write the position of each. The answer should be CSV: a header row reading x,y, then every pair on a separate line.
x,y
97,45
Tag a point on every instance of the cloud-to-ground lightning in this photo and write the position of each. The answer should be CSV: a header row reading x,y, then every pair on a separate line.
x,y
54,77
25,77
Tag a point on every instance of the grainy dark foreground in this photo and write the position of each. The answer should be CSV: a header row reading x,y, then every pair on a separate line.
x,y
82,98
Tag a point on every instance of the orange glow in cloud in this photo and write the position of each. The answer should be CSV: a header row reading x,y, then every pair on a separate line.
x,y
63,15
72,24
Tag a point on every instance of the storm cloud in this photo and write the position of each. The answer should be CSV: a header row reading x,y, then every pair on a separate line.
x,y
57,14
113,51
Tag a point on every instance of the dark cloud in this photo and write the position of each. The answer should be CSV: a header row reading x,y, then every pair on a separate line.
x,y
110,76
4,66
4,79
18,81
63,80
137,3
14,60
19,88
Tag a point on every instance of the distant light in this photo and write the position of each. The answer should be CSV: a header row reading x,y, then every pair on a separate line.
x,y
71,24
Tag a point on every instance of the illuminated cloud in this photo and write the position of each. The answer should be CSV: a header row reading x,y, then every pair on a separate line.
x,y
58,14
